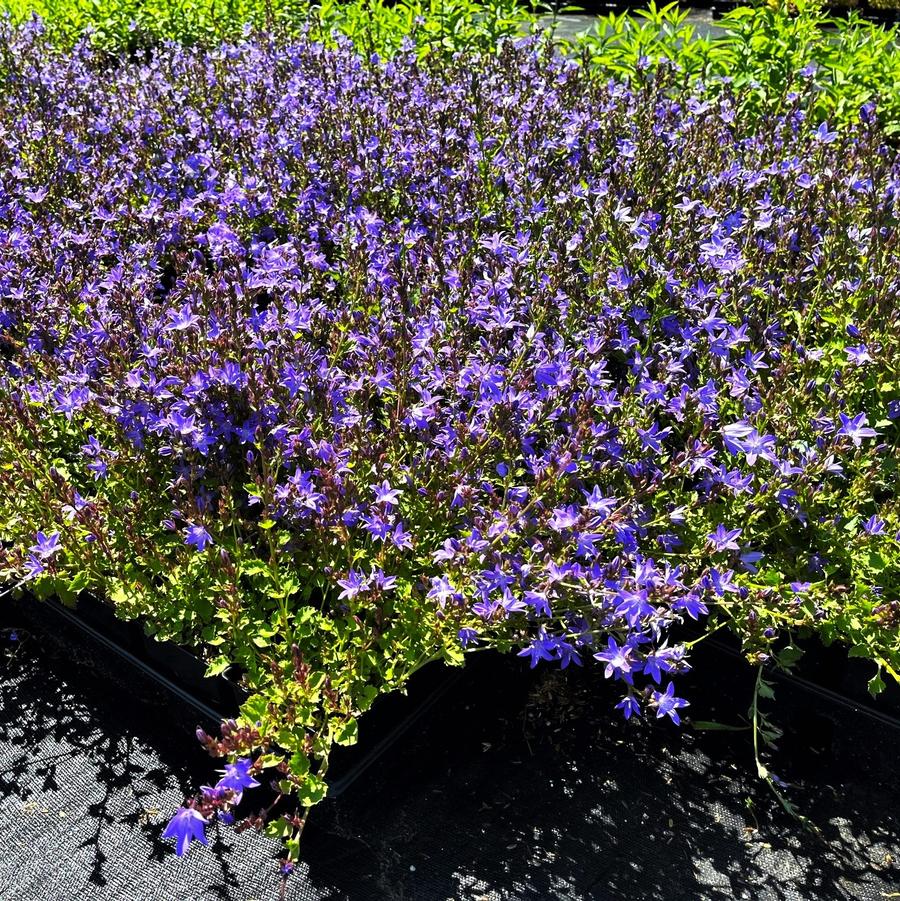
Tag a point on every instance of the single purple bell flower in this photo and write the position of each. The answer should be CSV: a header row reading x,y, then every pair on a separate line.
x,y
667,704
186,825
237,776
724,539
198,537
46,545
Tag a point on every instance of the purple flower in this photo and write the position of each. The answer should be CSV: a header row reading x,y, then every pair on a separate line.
x,y
539,649
46,545
237,776
468,637
400,537
352,585
386,495
182,319
856,428
664,660
629,706
596,502
692,604
185,826
858,355
724,539
667,704
757,446
749,559
441,590
619,662
563,518
197,537
551,375
722,583
874,525
825,136
381,581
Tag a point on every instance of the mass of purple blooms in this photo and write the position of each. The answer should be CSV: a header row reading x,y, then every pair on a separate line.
x,y
330,366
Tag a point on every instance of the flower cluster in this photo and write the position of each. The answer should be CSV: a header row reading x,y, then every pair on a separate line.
x,y
188,822
330,367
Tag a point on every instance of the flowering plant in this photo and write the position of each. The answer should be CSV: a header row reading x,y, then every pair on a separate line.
x,y
328,367
761,48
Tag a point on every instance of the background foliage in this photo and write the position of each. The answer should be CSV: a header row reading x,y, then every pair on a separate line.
x,y
761,52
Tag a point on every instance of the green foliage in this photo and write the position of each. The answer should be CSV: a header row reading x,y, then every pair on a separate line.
x,y
760,50
377,26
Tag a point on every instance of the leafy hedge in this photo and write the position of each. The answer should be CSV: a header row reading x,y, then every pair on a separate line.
x,y
764,51
329,367
374,25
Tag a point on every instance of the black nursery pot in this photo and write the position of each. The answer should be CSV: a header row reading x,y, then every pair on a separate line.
x,y
391,717
217,698
127,635
175,667
824,670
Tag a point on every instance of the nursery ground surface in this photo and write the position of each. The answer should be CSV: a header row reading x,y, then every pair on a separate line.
x,y
553,798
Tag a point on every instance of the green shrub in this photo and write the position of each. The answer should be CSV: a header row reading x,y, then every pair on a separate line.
x,y
762,50
373,25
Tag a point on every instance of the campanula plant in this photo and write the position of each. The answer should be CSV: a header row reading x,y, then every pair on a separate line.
x,y
329,367
762,47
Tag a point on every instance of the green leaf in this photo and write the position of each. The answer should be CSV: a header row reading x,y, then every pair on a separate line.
x,y
290,739
454,654
789,655
711,726
79,582
269,760
312,791
346,733
299,763
876,684
254,708
217,667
